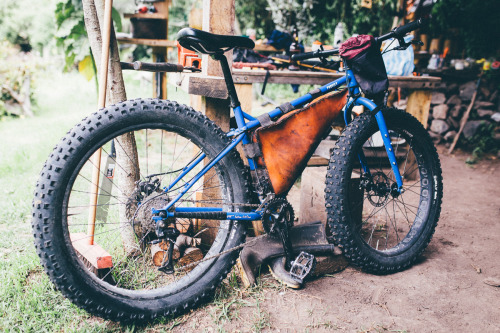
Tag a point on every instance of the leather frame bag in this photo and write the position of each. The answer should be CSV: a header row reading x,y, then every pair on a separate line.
x,y
287,144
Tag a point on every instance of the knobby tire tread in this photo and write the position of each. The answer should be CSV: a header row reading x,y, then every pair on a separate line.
x,y
48,193
336,199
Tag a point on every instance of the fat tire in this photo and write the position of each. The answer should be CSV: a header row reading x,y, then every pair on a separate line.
x,y
341,163
54,181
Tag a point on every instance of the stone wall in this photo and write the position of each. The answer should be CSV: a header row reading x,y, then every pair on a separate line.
x,y
450,102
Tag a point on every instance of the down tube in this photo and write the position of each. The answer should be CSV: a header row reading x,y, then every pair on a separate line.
x,y
385,137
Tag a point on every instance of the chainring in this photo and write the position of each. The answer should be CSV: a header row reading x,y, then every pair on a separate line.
x,y
277,212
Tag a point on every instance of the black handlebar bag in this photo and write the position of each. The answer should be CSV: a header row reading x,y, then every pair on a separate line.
x,y
362,55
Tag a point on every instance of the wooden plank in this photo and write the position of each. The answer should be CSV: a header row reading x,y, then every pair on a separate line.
x,y
94,254
419,103
245,95
159,79
325,148
266,48
308,77
317,161
200,84
147,42
203,85
146,15
312,195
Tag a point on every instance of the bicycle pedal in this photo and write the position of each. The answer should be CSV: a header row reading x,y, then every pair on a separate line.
x,y
302,266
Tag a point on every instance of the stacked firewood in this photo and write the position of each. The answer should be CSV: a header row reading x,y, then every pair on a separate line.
x,y
186,249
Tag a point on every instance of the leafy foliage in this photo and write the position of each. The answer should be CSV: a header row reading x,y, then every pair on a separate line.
x,y
71,35
256,15
474,21
27,23
17,76
316,19
482,142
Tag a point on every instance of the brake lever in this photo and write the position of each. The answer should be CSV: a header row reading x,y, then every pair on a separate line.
x,y
192,69
404,45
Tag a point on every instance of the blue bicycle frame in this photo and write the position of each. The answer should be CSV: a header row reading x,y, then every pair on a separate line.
x,y
240,135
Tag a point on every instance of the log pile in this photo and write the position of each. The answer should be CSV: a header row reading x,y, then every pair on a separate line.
x,y
186,250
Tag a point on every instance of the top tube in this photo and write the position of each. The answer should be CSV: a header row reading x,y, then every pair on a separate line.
x,y
299,102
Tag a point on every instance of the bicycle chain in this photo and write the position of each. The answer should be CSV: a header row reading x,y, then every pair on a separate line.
x,y
253,240
219,203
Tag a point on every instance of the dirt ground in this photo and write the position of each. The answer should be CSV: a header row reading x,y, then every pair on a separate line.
x,y
444,292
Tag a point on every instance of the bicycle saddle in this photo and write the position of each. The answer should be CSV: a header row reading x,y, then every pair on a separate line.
x,y
205,42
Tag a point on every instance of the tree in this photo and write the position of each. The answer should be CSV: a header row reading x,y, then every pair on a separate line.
x,y
126,152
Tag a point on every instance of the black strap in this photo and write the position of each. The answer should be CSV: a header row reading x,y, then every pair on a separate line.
x,y
286,107
265,119
315,93
252,150
266,78
377,109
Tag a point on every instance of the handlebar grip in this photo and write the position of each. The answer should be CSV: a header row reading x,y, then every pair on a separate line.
x,y
315,54
126,65
401,31
157,67
305,55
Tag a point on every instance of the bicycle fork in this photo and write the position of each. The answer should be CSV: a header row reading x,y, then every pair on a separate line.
x,y
379,117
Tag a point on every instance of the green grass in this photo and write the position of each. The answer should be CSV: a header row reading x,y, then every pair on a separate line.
x,y
28,301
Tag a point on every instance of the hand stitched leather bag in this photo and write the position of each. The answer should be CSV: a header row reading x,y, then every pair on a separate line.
x,y
287,144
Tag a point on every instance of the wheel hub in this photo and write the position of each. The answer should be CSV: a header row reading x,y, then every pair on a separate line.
x,y
146,196
378,189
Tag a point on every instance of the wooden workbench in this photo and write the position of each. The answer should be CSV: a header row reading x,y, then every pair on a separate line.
x,y
312,186
215,87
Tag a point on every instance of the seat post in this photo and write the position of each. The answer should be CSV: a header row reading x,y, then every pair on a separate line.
x,y
233,97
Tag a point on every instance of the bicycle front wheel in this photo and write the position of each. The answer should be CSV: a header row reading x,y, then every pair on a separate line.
x,y
144,145
381,230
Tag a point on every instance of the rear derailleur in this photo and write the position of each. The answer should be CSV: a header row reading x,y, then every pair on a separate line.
x,y
152,226
169,235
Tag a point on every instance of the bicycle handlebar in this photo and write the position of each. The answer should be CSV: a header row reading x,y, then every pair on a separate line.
x,y
398,32
157,67
314,54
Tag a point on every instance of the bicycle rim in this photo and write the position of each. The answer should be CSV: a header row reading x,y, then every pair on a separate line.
x,y
124,228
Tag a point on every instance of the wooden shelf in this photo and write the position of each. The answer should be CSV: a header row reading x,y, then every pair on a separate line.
x,y
148,42
147,15
270,48
213,86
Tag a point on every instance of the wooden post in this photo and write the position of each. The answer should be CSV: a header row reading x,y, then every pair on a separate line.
x,y
218,18
103,84
419,103
127,157
160,55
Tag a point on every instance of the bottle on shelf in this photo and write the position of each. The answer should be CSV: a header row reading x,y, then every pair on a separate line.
x,y
294,49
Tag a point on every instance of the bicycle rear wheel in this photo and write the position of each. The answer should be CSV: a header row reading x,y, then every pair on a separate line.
x,y
379,229
144,144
